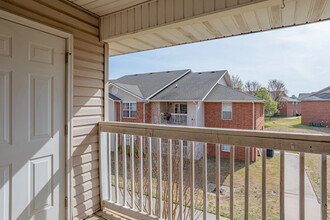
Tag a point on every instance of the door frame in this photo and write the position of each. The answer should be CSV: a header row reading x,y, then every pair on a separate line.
x,y
68,95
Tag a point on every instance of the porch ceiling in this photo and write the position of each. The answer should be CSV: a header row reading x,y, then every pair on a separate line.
x,y
133,26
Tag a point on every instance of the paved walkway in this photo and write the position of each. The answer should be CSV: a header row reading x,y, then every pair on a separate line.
x,y
291,199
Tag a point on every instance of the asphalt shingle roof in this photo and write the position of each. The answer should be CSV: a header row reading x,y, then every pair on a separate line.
x,y
288,99
145,85
225,93
323,94
191,87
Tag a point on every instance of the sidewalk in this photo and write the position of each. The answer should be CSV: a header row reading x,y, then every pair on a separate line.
x,y
291,199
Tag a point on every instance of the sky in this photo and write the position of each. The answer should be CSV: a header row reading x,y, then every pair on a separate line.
x,y
299,56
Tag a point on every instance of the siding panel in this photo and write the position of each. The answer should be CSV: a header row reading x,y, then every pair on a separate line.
x,y
89,58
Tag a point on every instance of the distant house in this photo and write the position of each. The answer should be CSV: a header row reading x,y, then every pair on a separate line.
x,y
183,97
288,107
315,107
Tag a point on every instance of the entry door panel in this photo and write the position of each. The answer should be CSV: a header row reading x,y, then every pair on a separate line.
x,y
32,122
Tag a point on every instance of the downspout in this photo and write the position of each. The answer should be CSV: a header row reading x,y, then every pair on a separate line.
x,y
196,110
253,117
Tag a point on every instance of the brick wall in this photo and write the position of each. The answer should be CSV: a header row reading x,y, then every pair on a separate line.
x,y
287,110
315,111
139,113
242,118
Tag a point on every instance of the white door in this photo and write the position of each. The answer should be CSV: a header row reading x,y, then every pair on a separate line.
x,y
32,120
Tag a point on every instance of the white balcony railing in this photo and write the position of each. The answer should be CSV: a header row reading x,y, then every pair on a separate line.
x,y
174,119
151,194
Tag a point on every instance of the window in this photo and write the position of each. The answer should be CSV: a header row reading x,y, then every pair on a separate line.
x,y
227,111
129,109
128,140
180,108
296,103
225,147
292,103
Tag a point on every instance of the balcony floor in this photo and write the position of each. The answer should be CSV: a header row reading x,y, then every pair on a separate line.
x,y
108,215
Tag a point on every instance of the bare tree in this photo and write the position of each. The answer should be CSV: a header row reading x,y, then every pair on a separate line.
x,y
277,89
251,87
236,82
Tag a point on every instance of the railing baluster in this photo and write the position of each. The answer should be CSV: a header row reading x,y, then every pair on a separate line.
x,y
282,164
263,176
301,186
247,182
116,168
192,180
125,171
160,177
132,172
109,135
217,148
204,180
181,180
323,187
150,176
141,174
231,172
170,202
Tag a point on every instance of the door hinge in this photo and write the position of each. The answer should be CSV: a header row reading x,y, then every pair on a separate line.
x,y
66,129
66,201
67,54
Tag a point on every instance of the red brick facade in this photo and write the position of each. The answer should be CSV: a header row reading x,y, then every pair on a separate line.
x,y
316,112
287,109
242,118
139,113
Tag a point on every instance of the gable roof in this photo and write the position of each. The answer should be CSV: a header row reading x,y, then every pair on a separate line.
x,y
146,85
323,94
302,95
191,87
225,93
289,99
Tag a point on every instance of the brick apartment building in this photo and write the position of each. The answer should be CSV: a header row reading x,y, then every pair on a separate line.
x,y
315,107
183,97
288,107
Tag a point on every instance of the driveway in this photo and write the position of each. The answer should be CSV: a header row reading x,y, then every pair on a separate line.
x,y
291,199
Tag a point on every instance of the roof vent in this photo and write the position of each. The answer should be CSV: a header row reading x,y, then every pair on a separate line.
x,y
213,72
135,74
176,85
150,73
168,71
199,73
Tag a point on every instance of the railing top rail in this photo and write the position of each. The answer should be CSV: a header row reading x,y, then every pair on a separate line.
x,y
299,142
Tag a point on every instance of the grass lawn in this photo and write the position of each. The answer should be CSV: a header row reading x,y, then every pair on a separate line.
x,y
293,124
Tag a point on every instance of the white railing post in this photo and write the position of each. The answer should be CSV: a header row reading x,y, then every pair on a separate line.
x,y
301,186
170,202
141,173
323,187
103,166
231,173
132,173
160,194
247,182
150,175
124,170
204,181
263,176
109,139
116,168
181,180
218,165
192,180
282,170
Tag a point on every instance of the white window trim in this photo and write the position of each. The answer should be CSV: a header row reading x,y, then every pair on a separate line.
x,y
129,110
231,111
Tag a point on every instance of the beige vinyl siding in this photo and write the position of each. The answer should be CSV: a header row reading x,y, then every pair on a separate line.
x,y
88,91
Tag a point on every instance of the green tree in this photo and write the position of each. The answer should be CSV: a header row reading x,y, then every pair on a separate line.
x,y
270,104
